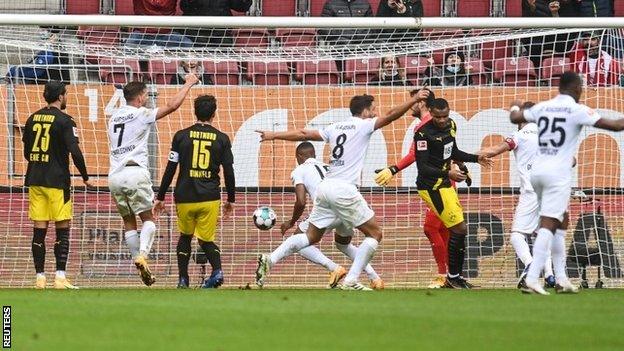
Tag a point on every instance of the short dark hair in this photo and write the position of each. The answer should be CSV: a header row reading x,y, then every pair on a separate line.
x,y
440,104
133,89
430,98
305,146
569,80
53,90
528,104
359,103
205,107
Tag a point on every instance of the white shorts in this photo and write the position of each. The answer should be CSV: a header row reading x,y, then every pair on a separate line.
x,y
526,217
131,189
337,200
553,194
337,225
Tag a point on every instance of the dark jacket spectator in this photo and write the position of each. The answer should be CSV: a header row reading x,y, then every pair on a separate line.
x,y
35,71
596,8
346,8
209,36
596,65
187,67
400,8
156,36
454,73
390,73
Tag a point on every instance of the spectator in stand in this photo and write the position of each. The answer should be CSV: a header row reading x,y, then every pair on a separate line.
x,y
156,36
390,73
191,66
544,46
596,8
594,64
400,8
209,36
455,72
35,70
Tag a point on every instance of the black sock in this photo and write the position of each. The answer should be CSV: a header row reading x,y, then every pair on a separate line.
x,y
38,248
61,248
456,252
212,253
183,251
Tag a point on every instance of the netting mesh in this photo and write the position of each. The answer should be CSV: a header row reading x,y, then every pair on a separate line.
x,y
292,78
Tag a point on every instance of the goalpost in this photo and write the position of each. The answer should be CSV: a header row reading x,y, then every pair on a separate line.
x,y
279,73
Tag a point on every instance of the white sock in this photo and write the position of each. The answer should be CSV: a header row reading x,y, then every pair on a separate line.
x,y
350,250
133,242
148,232
559,255
518,241
314,255
60,274
40,275
288,247
548,268
541,247
362,257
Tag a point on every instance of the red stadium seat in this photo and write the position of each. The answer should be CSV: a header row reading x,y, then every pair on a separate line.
x,y
493,49
251,37
361,71
432,8
317,73
102,36
279,8
375,5
222,73
82,7
296,36
161,71
415,67
515,71
618,6
513,8
474,8
118,71
272,73
124,7
552,69
478,72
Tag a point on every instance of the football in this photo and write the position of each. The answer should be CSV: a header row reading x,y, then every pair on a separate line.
x,y
264,218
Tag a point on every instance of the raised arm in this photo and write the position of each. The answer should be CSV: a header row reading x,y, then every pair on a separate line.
x,y
496,150
178,99
398,111
615,125
291,135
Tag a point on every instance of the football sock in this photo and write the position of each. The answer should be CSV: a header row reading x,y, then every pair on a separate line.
x,y
314,255
38,248
439,249
212,253
541,248
60,274
456,252
147,237
61,248
559,255
289,246
183,252
548,266
364,254
133,242
521,247
350,251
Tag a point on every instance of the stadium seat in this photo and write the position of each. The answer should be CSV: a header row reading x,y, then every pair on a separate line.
x,y
552,68
415,67
254,37
296,36
513,8
124,7
118,71
493,49
361,71
279,8
474,8
514,71
222,73
432,8
82,7
272,73
161,71
317,73
103,36
478,72
618,6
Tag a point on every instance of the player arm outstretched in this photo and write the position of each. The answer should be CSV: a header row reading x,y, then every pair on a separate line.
x,y
291,135
398,111
298,208
385,175
175,103
615,125
458,156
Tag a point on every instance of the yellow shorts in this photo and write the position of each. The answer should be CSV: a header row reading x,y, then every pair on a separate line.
x,y
199,219
445,203
49,204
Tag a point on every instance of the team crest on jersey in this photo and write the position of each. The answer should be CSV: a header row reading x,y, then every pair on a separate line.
x,y
421,145
448,150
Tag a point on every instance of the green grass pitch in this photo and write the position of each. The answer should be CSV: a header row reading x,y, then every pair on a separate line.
x,y
152,319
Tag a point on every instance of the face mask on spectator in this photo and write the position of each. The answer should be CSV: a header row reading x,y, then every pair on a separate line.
x,y
453,68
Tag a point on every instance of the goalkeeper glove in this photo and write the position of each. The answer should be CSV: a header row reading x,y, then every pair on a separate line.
x,y
463,168
384,176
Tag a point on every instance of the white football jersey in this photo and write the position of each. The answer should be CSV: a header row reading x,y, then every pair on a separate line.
x,y
559,123
348,141
128,132
310,174
523,143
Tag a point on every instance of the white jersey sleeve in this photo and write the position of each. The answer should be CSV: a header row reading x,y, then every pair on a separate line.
x,y
296,176
147,115
587,116
529,114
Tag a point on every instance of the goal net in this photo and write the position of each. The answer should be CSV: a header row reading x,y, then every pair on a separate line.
x,y
280,78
